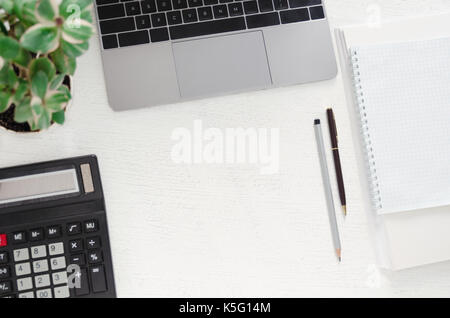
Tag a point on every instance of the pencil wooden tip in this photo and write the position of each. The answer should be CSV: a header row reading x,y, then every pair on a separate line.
x,y
344,208
338,253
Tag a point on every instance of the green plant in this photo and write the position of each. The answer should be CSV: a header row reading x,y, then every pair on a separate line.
x,y
39,43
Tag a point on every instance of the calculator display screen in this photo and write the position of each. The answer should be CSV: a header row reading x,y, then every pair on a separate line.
x,y
37,186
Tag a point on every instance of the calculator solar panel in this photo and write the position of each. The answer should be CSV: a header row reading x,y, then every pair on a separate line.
x,y
54,240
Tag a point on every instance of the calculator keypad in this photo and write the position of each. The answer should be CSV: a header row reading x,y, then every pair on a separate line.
x,y
35,265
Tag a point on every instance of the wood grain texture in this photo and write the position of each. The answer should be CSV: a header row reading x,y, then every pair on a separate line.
x,y
227,230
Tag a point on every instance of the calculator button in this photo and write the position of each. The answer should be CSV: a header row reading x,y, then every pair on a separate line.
x,y
4,257
23,269
91,226
53,231
3,240
38,251
36,235
44,293
59,278
95,257
19,237
21,255
5,288
40,266
27,295
58,263
98,279
73,228
24,284
42,281
61,292
78,259
4,272
93,242
56,249
84,286
75,245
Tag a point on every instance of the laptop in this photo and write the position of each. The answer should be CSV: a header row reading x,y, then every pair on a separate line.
x,y
158,52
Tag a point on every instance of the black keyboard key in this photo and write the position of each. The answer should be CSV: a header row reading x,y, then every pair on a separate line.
x,y
292,16
102,2
98,279
205,13
164,5
263,20
84,283
250,7
117,25
75,245
235,9
303,3
75,228
19,237
281,4
90,226
4,257
159,20
134,38
111,12
93,242
174,17
317,13
54,231
179,4
210,2
225,1
195,3
207,28
220,11
265,5
148,6
4,272
95,257
36,235
133,8
143,22
5,288
190,15
77,259
159,35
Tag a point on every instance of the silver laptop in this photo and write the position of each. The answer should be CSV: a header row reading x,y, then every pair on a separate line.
x,y
165,51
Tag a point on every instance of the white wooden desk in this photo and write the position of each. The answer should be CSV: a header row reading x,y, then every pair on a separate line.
x,y
227,230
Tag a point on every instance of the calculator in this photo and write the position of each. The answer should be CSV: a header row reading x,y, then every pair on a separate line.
x,y
54,240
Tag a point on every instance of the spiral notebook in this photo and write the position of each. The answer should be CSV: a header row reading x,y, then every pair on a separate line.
x,y
403,95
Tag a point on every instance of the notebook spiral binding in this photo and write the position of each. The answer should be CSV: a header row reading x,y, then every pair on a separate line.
x,y
368,150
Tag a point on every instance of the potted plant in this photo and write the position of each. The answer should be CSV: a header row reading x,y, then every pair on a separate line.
x,y
40,41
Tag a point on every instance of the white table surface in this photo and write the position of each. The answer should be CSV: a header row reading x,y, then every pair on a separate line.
x,y
227,230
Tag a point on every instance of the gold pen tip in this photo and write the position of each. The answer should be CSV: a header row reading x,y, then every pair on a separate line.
x,y
344,208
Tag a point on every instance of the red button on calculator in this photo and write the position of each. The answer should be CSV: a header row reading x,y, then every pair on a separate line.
x,y
3,240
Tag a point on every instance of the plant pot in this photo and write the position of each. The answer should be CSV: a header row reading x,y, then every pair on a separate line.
x,y
7,118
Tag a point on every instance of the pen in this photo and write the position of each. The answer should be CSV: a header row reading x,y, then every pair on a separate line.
x,y
337,159
327,186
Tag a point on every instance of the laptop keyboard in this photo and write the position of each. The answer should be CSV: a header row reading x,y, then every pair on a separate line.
x,y
125,23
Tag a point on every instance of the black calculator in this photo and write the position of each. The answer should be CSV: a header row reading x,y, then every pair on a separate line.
x,y
54,240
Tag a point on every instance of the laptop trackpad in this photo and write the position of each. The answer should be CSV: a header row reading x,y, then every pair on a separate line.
x,y
221,64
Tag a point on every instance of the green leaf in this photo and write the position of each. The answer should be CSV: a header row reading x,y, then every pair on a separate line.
x,y
76,33
72,8
5,98
24,9
23,112
74,50
3,28
19,30
39,84
44,120
59,117
41,38
8,5
9,47
87,16
65,90
45,65
45,10
21,90
63,63
57,101
23,58
57,81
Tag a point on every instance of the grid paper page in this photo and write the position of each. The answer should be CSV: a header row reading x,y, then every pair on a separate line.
x,y
406,89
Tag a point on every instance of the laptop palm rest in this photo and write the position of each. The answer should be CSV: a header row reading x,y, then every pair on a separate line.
x,y
221,64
